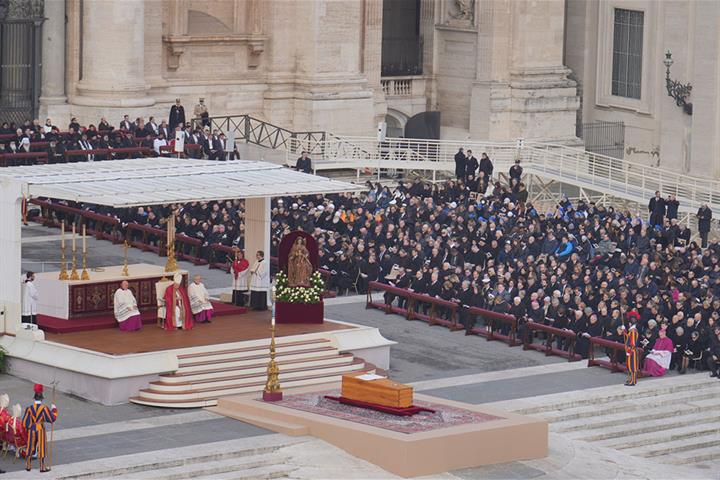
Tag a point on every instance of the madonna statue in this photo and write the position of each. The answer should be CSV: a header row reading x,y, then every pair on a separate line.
x,y
299,265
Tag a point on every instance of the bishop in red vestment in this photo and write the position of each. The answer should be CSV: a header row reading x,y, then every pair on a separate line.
x,y
177,306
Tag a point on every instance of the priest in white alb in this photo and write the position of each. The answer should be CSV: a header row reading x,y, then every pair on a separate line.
x,y
200,305
259,282
126,308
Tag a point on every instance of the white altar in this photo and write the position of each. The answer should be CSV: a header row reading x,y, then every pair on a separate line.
x,y
68,299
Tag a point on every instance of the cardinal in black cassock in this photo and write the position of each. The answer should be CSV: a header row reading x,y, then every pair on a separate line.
x,y
177,115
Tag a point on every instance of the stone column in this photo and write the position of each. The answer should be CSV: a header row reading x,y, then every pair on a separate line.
x,y
257,229
11,246
113,55
52,91
372,54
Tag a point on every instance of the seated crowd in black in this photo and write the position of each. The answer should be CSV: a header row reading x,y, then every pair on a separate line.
x,y
155,136
582,267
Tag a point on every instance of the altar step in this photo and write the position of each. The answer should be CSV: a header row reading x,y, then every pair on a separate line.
x,y
204,376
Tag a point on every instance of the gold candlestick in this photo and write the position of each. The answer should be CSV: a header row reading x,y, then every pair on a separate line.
x,y
63,267
171,264
84,275
125,271
272,392
73,273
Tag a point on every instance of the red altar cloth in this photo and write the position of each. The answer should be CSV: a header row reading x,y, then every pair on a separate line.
x,y
286,312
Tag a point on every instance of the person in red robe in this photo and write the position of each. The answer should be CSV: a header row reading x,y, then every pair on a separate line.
x,y
240,271
177,306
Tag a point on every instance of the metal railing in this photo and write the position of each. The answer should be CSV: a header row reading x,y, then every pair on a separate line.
x,y
248,129
621,178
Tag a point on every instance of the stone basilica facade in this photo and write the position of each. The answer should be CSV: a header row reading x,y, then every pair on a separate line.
x,y
494,69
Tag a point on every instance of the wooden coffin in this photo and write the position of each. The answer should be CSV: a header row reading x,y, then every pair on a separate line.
x,y
381,391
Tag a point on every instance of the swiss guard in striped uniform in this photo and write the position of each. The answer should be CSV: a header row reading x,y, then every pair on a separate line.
x,y
631,354
34,421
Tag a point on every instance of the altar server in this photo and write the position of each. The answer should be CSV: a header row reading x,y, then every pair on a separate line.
x,y
126,308
29,299
177,306
200,305
34,421
240,271
259,282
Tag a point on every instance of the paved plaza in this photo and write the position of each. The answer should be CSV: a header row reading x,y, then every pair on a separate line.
x,y
119,440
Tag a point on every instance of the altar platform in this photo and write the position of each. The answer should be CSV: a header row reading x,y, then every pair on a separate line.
x,y
455,435
194,368
231,328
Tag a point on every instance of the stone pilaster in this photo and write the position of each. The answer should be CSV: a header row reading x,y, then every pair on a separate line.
x,y
113,55
372,54
257,229
532,94
52,90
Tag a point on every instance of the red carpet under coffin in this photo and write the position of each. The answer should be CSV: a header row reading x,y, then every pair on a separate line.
x,y
97,322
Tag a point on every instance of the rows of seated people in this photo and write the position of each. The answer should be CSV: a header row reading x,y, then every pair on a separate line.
x,y
577,266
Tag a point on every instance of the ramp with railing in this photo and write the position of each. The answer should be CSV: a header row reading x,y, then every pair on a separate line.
x,y
631,181
620,178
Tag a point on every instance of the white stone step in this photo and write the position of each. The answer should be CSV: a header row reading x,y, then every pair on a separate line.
x,y
647,388
323,360
674,447
257,375
242,388
260,473
209,399
628,412
700,455
222,468
632,429
230,353
654,438
190,462
583,413
241,362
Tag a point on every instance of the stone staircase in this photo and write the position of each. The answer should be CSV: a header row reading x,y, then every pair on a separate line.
x,y
673,420
245,459
205,375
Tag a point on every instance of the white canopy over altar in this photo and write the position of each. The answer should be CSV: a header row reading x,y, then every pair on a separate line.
x,y
154,181
139,182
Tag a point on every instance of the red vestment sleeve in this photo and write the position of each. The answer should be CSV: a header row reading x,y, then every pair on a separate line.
x,y
170,308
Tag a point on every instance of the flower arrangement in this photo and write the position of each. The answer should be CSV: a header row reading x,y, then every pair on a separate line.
x,y
311,294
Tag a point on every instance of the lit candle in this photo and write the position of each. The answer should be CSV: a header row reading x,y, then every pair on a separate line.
x,y
84,240
273,320
73,239
62,234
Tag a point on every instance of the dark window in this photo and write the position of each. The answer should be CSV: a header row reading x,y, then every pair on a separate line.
x,y
627,53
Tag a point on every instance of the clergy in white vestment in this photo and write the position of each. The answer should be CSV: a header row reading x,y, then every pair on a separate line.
x,y
240,272
200,304
126,309
29,299
259,282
